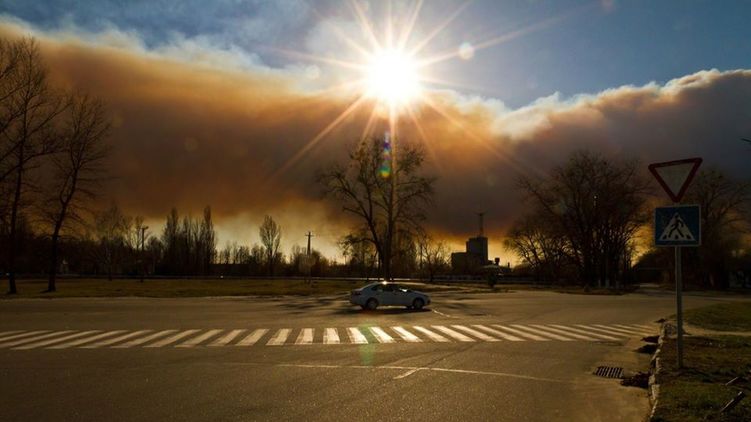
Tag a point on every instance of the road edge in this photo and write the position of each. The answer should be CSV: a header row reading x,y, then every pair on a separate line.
x,y
656,367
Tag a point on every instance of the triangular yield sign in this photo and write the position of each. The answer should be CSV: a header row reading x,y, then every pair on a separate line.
x,y
676,230
675,176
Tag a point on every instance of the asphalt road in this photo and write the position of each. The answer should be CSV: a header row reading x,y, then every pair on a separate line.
x,y
80,359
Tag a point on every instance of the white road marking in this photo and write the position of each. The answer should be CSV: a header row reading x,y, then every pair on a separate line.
x,y
225,339
406,374
47,342
381,335
118,339
17,341
498,333
142,340
172,339
587,332
603,330
9,334
433,336
85,340
451,333
305,336
253,337
521,333
330,336
442,314
567,333
482,336
24,334
551,332
542,333
406,335
408,368
280,337
355,336
195,341
630,333
644,331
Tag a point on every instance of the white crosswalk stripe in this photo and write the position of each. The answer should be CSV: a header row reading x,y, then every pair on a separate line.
x,y
433,336
540,333
33,338
330,336
498,333
85,340
92,339
54,340
381,335
630,333
406,335
556,334
453,334
6,334
482,336
142,340
280,337
636,328
587,332
227,338
565,333
118,339
524,334
172,339
603,330
355,336
21,335
195,341
305,336
253,337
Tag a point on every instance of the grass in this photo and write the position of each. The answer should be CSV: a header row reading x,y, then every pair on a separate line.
x,y
34,288
698,391
734,316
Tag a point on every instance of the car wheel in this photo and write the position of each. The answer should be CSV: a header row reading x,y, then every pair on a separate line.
x,y
371,304
417,304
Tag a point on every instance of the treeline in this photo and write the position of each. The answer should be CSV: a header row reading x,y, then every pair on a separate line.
x,y
590,221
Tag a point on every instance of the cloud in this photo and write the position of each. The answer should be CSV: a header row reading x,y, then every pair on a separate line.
x,y
189,134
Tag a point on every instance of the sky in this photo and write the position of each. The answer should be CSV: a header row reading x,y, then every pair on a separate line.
x,y
227,102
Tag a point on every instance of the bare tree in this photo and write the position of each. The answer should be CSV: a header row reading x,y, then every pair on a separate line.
x,y
28,136
78,169
434,255
597,206
271,235
111,228
384,191
725,206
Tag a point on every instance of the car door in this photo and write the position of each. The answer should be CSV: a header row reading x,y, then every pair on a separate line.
x,y
388,297
401,297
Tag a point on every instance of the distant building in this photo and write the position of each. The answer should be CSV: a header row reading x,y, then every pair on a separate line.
x,y
476,255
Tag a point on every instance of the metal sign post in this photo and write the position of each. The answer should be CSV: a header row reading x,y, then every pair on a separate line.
x,y
677,226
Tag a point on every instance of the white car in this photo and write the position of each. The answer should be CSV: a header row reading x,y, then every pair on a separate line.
x,y
387,294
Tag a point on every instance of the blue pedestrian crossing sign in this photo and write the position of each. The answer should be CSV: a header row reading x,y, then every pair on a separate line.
x,y
678,225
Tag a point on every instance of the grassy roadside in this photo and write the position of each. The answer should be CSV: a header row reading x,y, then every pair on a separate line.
x,y
163,288
698,391
724,317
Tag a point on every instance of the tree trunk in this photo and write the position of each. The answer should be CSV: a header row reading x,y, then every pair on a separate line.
x,y
53,260
13,228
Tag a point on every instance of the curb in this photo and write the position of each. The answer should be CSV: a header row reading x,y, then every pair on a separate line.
x,y
656,367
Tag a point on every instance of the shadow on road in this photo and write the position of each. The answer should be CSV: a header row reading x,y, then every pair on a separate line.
x,y
383,311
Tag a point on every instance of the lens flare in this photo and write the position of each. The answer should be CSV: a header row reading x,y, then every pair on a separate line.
x,y
385,169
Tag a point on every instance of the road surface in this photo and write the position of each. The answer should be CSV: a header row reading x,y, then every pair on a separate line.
x,y
505,357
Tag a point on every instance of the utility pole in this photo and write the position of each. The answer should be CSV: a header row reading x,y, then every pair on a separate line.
x,y
308,261
143,261
480,216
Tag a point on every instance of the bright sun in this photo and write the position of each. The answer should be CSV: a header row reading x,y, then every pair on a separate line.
x,y
391,76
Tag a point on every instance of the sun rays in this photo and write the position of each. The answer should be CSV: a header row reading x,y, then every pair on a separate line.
x,y
392,76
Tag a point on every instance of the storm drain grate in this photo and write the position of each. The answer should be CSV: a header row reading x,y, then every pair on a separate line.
x,y
609,371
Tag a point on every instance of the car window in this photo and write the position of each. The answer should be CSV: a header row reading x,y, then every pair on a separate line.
x,y
388,288
377,288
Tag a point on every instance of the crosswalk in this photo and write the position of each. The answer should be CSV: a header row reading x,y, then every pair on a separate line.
x,y
287,336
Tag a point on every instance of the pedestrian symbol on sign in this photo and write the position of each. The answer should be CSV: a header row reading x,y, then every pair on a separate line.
x,y
676,230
